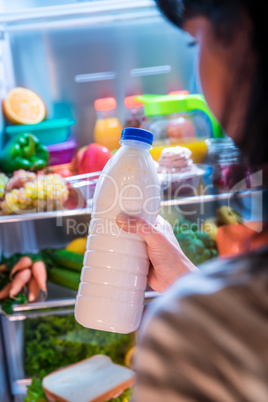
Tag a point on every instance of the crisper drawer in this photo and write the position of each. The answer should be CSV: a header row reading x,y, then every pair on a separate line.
x,y
41,341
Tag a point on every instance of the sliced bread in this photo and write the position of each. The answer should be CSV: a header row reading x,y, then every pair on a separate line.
x,y
96,379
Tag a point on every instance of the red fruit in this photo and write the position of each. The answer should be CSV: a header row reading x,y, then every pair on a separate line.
x,y
76,162
64,170
94,158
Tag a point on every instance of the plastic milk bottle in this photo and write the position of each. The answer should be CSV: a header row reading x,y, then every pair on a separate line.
x,y
114,275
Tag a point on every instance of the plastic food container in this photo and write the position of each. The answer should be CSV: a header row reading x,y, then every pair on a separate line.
x,y
48,131
182,184
180,119
61,153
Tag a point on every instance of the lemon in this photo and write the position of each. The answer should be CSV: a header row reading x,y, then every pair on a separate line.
x,y
77,245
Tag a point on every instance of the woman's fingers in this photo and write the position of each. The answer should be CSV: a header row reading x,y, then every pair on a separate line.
x,y
167,259
151,234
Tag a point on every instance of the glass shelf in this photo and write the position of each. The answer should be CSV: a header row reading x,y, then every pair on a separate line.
x,y
205,198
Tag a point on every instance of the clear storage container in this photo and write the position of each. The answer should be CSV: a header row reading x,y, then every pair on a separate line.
x,y
179,120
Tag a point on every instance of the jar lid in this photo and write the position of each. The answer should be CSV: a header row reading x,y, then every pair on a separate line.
x,y
104,104
131,101
222,150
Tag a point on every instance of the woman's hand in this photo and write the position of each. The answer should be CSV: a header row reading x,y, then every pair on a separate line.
x,y
168,262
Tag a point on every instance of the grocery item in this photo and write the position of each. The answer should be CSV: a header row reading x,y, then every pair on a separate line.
x,y
130,356
94,379
229,165
210,226
53,131
197,245
94,158
226,215
175,160
29,192
179,120
77,245
114,275
76,161
23,106
23,152
33,290
107,129
3,183
68,259
134,112
237,238
65,170
61,153
23,262
180,129
20,272
64,277
40,274
178,175
20,280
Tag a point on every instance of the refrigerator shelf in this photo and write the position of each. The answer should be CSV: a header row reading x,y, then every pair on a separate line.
x,y
199,199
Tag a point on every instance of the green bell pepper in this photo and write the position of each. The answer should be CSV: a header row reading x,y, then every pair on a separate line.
x,y
26,152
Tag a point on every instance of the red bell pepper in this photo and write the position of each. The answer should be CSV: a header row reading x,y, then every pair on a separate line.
x,y
235,239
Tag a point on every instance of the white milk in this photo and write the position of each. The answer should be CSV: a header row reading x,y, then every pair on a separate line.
x,y
114,276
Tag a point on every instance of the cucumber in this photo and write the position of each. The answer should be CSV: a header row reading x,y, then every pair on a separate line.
x,y
64,277
68,259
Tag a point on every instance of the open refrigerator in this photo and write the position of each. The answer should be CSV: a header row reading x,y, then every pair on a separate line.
x,y
71,53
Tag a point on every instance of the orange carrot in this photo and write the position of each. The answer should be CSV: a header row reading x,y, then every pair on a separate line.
x,y
23,263
20,280
5,291
33,289
40,274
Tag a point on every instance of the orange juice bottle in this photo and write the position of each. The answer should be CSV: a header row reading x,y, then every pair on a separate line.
x,y
107,130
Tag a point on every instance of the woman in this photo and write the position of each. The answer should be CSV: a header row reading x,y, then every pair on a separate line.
x,y
206,338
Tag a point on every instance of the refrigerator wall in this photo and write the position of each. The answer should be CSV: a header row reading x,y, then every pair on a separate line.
x,y
71,54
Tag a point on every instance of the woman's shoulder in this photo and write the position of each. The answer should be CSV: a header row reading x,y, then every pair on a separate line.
x,y
221,288
220,274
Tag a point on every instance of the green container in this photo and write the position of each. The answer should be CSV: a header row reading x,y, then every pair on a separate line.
x,y
168,105
49,132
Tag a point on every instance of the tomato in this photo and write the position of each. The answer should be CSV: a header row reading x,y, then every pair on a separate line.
x,y
94,158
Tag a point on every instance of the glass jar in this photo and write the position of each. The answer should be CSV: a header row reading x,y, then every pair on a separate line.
x,y
134,112
107,130
229,165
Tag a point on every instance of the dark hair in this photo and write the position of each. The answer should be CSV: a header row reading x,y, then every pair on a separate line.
x,y
225,16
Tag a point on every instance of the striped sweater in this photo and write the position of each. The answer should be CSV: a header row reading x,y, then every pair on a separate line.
x,y
206,338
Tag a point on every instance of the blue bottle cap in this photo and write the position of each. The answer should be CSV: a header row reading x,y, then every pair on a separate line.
x,y
137,134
